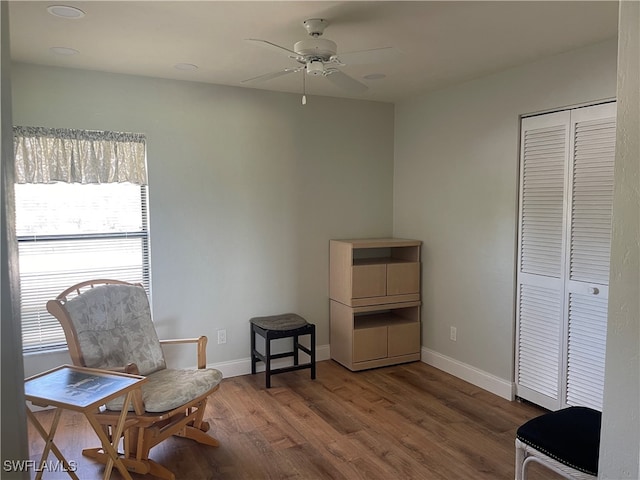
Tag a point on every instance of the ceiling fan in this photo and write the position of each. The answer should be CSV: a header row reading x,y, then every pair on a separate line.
x,y
319,57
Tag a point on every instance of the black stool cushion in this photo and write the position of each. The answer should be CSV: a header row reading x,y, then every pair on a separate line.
x,y
570,436
286,321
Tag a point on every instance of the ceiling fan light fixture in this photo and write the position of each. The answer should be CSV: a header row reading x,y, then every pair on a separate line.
x,y
315,68
316,47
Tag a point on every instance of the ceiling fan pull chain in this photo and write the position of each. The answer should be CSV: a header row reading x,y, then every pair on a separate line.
x,y
304,87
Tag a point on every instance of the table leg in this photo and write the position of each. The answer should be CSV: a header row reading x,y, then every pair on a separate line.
x,y
109,447
49,446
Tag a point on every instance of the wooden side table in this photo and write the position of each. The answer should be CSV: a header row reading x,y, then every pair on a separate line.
x,y
83,390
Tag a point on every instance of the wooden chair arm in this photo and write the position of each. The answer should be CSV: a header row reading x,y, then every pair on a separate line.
x,y
130,368
181,340
202,347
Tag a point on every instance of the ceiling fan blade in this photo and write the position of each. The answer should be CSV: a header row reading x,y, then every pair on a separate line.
x,y
274,47
363,57
344,81
270,76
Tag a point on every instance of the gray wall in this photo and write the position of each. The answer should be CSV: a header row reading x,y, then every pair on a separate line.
x,y
246,189
620,441
456,188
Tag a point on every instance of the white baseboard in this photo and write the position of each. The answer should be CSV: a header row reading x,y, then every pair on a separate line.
x,y
242,366
468,373
479,378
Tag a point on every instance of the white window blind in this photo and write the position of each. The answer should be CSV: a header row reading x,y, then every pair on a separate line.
x,y
68,233
71,232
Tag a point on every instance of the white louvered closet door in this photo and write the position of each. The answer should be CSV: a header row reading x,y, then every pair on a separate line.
x,y
593,131
540,302
566,189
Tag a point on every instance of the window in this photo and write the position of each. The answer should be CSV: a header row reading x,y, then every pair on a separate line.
x,y
70,231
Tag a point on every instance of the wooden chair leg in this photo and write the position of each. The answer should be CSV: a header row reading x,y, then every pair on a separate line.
x,y
200,437
159,471
197,429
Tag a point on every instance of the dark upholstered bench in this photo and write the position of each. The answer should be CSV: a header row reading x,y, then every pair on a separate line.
x,y
566,441
288,325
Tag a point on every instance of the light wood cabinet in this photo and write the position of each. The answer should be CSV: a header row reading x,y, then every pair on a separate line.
x,y
374,290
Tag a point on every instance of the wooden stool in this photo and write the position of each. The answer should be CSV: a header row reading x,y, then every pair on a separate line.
x,y
282,326
566,441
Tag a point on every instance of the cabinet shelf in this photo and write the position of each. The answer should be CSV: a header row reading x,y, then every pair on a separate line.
x,y
379,261
374,271
373,320
374,288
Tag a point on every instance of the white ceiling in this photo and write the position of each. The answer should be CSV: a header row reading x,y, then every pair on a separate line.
x,y
440,42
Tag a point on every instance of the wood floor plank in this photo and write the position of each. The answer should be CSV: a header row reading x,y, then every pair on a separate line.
x,y
407,421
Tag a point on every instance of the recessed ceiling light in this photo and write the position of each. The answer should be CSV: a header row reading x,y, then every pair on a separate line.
x,y
65,11
64,51
374,76
185,66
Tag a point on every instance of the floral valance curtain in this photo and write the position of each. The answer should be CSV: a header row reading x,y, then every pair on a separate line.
x,y
47,155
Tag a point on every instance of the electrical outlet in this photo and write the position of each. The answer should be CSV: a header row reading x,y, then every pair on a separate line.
x,y
453,334
222,336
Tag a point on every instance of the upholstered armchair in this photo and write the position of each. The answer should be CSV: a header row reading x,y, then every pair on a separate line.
x,y
108,325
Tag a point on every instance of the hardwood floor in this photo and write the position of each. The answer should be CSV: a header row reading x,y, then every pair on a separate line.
x,y
408,421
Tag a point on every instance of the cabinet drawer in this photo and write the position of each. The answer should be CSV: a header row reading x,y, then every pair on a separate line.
x,y
403,278
369,343
404,338
369,281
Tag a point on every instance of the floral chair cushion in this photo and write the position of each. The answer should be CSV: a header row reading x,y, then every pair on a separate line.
x,y
114,328
168,389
